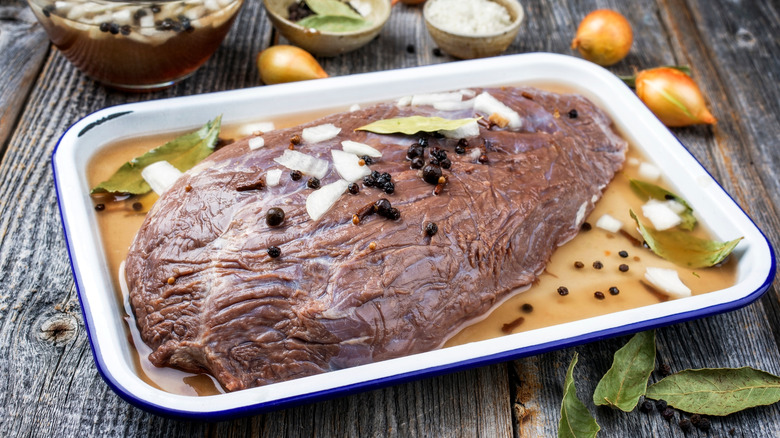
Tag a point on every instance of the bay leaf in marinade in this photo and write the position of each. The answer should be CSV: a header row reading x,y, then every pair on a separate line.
x,y
626,380
414,124
717,391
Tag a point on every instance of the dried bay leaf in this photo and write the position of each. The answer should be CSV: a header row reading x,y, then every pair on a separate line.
x,y
333,8
576,420
332,23
626,380
183,152
717,391
684,249
414,124
646,191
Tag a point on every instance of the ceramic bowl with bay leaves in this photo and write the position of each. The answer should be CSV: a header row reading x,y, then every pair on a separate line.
x,y
328,27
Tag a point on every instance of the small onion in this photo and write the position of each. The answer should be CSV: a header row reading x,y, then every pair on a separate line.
x,y
673,97
604,37
283,63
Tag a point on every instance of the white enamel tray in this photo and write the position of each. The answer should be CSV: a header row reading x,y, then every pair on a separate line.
x,y
102,312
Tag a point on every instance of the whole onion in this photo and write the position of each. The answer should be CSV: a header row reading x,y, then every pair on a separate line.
x,y
673,97
283,63
604,37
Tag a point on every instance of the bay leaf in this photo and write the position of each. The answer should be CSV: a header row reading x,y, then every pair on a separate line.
x,y
647,191
626,380
685,249
332,23
183,152
717,391
414,124
334,8
576,421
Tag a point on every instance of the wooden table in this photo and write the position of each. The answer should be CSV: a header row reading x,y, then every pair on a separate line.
x,y
50,386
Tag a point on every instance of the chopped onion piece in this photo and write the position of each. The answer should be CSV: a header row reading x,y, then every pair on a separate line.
x,y
431,98
468,130
667,281
609,223
301,162
475,153
320,133
256,143
454,105
320,201
160,176
467,92
675,206
632,161
660,215
251,128
404,101
649,172
348,166
360,149
354,108
488,104
272,177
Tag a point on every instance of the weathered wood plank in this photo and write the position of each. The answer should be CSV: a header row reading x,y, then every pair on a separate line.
x,y
23,46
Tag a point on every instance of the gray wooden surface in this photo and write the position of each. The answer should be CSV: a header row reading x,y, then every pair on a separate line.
x,y
49,385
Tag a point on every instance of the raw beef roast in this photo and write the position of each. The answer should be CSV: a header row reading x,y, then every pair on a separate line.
x,y
207,295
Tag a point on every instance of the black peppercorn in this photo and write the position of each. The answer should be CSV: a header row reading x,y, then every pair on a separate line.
x,y
646,406
104,27
368,160
296,175
414,151
125,29
353,188
422,141
394,214
623,254
623,267
459,149
437,52
586,226
417,163
573,114
382,207
685,424
527,308
445,163
274,216
703,424
410,48
660,405
274,252
155,8
665,370
383,179
668,414
614,290
434,162
389,188
100,207
579,265
431,174
369,181
431,229
563,291
599,295
483,159
137,206
313,183
438,153
598,265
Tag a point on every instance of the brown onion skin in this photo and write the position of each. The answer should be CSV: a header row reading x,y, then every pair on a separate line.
x,y
673,97
283,63
603,37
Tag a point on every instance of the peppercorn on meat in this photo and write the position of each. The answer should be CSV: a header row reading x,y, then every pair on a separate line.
x,y
438,231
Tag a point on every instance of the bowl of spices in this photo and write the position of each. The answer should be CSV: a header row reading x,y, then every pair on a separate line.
x,y
136,45
469,29
328,27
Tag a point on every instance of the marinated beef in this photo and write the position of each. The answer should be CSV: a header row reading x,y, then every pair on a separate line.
x,y
208,297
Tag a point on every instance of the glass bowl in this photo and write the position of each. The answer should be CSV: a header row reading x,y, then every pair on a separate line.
x,y
136,45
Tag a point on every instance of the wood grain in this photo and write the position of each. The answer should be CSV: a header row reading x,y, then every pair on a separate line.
x,y
52,388
23,45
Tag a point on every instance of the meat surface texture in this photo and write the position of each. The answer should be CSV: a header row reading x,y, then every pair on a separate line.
x,y
330,301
